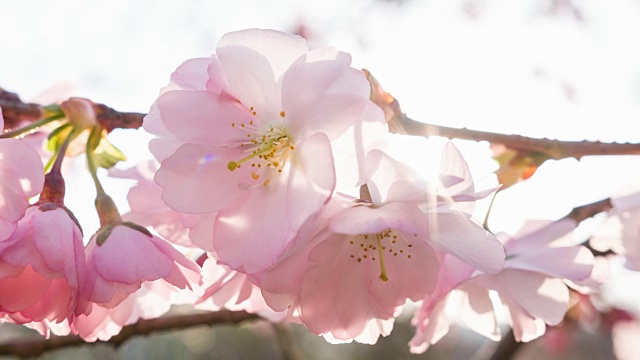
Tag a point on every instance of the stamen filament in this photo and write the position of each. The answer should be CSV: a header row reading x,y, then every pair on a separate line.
x,y
383,269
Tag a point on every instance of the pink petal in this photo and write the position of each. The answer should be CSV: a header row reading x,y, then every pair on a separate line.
x,y
402,217
540,296
323,96
476,310
278,48
430,330
461,237
21,177
217,81
535,235
22,292
391,180
574,263
311,180
192,74
202,117
128,256
201,230
196,178
525,327
250,234
251,80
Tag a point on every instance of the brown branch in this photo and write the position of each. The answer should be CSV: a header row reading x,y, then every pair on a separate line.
x,y
584,212
555,149
33,348
15,112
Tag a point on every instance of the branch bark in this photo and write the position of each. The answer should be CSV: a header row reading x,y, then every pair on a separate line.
x,y
33,348
555,149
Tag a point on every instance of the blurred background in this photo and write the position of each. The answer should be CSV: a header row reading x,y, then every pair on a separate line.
x,y
563,69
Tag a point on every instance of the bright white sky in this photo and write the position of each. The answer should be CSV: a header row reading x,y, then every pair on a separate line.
x,y
493,65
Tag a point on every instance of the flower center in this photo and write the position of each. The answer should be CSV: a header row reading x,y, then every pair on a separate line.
x,y
267,150
376,246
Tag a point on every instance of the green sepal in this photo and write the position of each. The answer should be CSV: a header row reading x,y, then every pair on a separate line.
x,y
58,136
106,155
137,227
103,234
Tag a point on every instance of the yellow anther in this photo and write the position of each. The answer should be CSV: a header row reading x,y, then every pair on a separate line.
x,y
254,176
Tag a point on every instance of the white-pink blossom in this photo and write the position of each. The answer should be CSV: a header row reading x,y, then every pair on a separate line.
x,y
541,258
42,266
255,144
121,257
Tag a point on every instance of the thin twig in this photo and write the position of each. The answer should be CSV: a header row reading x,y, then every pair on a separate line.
x,y
33,348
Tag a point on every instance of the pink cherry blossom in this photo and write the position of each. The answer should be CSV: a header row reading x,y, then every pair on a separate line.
x,y
42,266
532,286
21,177
148,209
256,144
627,208
447,205
228,289
152,300
368,259
128,257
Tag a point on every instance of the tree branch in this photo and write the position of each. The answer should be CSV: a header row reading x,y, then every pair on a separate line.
x,y
33,348
584,212
16,111
555,149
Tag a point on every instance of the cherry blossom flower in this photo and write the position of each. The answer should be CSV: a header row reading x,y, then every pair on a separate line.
x,y
148,209
121,257
368,260
21,177
532,287
627,208
42,266
152,300
260,135
228,289
374,254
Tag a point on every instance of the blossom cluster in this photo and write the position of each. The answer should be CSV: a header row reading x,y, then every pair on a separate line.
x,y
271,164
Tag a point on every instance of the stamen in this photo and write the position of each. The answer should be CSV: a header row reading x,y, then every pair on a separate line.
x,y
383,270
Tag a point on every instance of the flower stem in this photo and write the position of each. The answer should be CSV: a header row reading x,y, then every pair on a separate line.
x,y
54,188
95,132
32,126
106,208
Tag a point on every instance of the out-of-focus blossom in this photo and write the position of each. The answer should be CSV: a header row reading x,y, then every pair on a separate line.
x,y
625,336
627,208
152,300
540,258
228,289
21,177
121,258
256,143
148,209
